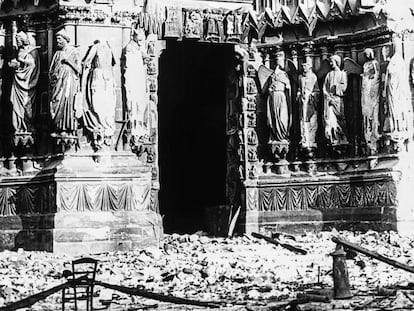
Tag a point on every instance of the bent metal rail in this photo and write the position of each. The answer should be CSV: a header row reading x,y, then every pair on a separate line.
x,y
27,302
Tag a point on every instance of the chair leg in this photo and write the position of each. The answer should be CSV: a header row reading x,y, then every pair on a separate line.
x,y
91,298
63,299
75,298
87,299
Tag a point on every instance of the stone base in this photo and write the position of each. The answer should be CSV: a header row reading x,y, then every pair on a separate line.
x,y
81,233
76,205
347,194
299,222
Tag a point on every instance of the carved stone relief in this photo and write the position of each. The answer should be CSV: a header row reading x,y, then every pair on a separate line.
x,y
29,199
173,22
250,120
327,196
252,155
113,196
193,28
252,137
251,86
252,197
214,30
251,103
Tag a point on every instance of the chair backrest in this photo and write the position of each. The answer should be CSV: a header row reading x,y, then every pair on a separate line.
x,y
84,267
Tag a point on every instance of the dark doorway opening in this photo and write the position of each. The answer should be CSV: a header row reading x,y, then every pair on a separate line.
x,y
192,132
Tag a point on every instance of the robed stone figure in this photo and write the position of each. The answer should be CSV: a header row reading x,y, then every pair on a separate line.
x,y
26,76
370,100
135,83
399,118
334,87
278,107
99,88
308,96
64,75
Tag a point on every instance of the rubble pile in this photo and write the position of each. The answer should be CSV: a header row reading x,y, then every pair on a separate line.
x,y
241,273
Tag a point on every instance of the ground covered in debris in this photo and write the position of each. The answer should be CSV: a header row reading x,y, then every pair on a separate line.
x,y
240,273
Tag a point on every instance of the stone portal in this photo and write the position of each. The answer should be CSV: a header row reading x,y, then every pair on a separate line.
x,y
192,109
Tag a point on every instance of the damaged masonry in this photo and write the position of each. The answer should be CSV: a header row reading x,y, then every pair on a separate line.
x,y
279,131
240,273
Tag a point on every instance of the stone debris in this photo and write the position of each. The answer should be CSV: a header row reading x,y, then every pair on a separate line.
x,y
242,273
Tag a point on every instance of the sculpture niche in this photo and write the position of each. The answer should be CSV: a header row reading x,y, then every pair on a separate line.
x,y
276,85
98,86
64,76
26,67
308,97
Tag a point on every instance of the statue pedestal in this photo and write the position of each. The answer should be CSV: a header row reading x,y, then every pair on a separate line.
x,y
349,193
404,177
75,205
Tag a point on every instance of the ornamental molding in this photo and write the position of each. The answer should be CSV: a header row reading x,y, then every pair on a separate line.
x,y
182,21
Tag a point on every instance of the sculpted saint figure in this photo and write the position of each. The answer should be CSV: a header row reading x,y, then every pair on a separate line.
x,y
100,91
26,75
398,98
135,82
278,108
308,96
370,100
194,25
64,84
334,88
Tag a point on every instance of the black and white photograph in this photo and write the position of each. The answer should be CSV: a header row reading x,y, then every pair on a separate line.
x,y
234,155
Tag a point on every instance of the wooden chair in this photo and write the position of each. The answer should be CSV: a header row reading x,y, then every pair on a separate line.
x,y
83,269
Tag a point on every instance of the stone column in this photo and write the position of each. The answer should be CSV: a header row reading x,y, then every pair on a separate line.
x,y
49,41
266,58
355,94
308,55
155,48
249,104
250,141
324,53
295,127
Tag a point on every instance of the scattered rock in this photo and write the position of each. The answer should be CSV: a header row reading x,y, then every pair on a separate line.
x,y
237,270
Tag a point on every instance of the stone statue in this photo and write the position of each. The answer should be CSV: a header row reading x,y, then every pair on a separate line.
x,y
308,97
135,83
64,75
193,25
26,76
370,100
99,118
279,108
334,88
399,121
